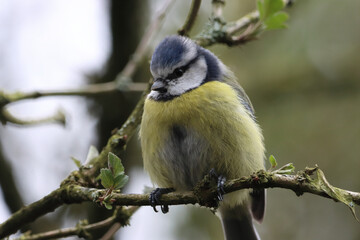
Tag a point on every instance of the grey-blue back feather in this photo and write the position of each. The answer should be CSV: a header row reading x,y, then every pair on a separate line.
x,y
213,72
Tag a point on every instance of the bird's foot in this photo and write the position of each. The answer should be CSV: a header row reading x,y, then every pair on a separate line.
x,y
155,198
220,184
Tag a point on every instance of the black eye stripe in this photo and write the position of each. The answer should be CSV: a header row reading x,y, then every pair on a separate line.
x,y
178,72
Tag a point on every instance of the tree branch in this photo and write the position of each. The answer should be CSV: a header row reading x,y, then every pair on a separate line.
x,y
8,185
143,46
31,212
219,31
217,8
6,116
190,19
123,221
119,218
300,183
204,194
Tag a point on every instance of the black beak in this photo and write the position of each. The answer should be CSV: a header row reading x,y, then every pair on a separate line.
x,y
159,86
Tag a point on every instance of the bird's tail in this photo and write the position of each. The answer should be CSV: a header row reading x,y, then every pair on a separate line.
x,y
237,224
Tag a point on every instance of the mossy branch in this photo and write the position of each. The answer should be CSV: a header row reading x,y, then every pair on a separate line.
x,y
241,31
310,180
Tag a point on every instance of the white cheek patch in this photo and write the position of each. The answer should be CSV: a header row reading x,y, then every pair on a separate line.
x,y
153,94
191,79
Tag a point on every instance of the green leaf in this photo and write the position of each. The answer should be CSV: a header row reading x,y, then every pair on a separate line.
x,y
276,21
274,6
335,193
76,161
107,179
120,181
272,161
108,205
115,165
260,7
92,153
267,8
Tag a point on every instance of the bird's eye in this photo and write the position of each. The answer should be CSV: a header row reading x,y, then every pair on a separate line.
x,y
178,72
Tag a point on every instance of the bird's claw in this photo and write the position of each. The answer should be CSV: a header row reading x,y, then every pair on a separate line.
x,y
155,196
220,187
220,184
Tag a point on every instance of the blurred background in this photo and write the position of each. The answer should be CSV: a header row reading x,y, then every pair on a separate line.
x,y
304,83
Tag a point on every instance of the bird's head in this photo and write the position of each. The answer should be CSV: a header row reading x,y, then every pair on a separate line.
x,y
179,65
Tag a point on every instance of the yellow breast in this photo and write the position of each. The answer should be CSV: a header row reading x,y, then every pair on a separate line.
x,y
212,112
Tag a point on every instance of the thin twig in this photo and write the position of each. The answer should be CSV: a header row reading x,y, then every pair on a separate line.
x,y
83,229
6,116
219,31
217,8
249,34
190,19
80,230
111,232
143,46
242,23
9,187
122,220
86,91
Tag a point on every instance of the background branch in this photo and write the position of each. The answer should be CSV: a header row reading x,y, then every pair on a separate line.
x,y
121,83
217,8
9,188
7,117
238,32
119,218
190,19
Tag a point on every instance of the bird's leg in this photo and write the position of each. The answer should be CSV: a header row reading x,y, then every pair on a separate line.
x,y
155,196
220,184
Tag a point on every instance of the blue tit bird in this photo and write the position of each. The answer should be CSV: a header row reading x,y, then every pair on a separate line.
x,y
198,118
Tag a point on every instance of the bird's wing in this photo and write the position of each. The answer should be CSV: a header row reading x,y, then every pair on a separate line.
x,y
257,195
230,79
